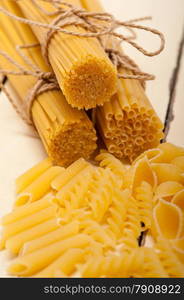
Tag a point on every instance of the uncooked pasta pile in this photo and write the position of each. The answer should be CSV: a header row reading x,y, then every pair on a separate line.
x,y
86,220
84,72
66,133
128,124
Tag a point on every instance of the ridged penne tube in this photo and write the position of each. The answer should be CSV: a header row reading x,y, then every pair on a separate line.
x,y
85,74
63,232
167,220
30,221
34,262
38,188
65,264
15,243
28,177
69,173
24,211
127,107
60,126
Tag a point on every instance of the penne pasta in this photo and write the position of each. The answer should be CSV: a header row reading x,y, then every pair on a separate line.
x,y
33,262
38,188
63,232
65,264
28,209
29,221
32,174
16,242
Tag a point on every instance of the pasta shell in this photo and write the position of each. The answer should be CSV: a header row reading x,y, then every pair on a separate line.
x,y
167,220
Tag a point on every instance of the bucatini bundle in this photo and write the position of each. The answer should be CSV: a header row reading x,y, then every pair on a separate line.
x,y
66,133
84,72
128,123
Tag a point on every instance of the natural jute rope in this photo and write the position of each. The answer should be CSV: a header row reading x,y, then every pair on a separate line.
x,y
97,25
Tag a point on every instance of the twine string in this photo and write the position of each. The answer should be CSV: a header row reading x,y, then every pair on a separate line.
x,y
46,81
96,25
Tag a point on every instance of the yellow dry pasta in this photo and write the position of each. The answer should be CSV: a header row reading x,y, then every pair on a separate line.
x,y
36,261
132,227
165,153
116,217
29,221
69,173
16,242
84,72
89,224
178,199
60,126
107,160
167,220
128,123
79,178
169,259
28,177
168,189
144,198
178,247
167,172
23,211
152,266
59,234
66,264
179,162
38,188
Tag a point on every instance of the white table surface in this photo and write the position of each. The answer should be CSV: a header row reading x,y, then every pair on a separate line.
x,y
19,149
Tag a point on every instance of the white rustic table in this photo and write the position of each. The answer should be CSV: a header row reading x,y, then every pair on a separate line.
x,y
19,149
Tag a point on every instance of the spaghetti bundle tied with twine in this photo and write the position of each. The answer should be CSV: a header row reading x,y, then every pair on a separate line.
x,y
97,25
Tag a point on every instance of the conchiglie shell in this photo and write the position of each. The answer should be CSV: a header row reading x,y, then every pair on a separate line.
x,y
143,172
178,246
167,172
151,154
169,152
179,162
167,220
178,199
168,189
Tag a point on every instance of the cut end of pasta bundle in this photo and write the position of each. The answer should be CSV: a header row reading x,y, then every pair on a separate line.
x,y
67,133
72,141
128,124
85,74
90,83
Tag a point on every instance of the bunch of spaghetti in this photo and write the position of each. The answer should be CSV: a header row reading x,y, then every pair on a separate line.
x,y
128,123
66,133
85,220
85,74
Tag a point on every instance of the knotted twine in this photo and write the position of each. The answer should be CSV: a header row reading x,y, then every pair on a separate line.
x,y
97,25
